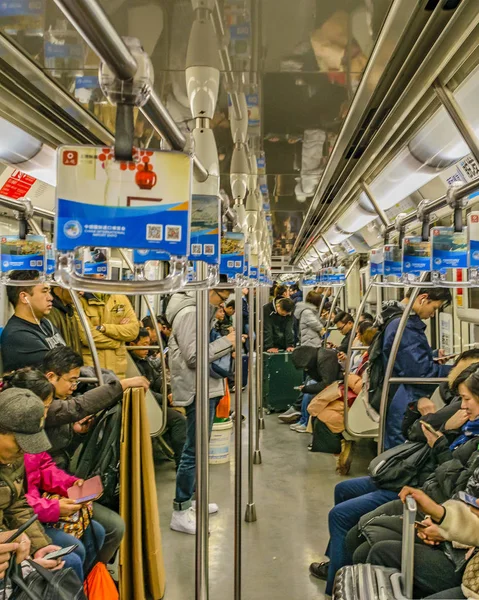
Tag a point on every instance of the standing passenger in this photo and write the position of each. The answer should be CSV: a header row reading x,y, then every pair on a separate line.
x,y
278,325
307,313
113,322
63,317
181,313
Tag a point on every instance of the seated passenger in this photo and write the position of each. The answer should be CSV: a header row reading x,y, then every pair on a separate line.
x,y
113,322
414,357
163,325
278,325
344,323
62,315
28,334
175,434
21,427
44,479
66,417
230,309
310,326
358,497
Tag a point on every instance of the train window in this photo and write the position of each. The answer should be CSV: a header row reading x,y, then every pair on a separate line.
x,y
474,297
115,274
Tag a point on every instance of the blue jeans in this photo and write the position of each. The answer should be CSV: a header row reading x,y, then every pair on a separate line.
x,y
353,498
393,435
83,558
304,405
186,474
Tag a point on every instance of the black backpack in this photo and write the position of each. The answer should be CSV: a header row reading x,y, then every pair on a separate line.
x,y
375,362
100,455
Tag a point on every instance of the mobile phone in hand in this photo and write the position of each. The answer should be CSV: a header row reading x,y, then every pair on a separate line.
x,y
468,499
60,553
430,428
91,489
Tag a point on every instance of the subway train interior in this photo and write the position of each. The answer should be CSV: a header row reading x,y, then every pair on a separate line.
x,y
239,299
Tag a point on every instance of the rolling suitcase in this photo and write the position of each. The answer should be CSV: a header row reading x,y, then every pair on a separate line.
x,y
371,582
279,380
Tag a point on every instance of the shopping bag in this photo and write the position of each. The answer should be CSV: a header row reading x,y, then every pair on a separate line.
x,y
99,585
224,406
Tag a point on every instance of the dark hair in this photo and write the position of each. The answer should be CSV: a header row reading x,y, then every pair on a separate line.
x,y
368,317
162,320
364,326
280,291
61,360
327,306
231,304
286,304
314,298
344,317
14,291
470,378
472,353
434,294
142,333
148,322
29,379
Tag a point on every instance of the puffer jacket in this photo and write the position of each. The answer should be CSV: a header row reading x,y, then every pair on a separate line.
x,y
181,313
109,311
309,324
14,508
43,475
63,317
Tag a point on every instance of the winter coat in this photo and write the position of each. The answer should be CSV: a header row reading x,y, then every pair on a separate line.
x,y
309,324
14,508
63,318
278,330
414,359
42,475
24,344
62,414
109,311
181,313
321,364
146,368
459,524
412,428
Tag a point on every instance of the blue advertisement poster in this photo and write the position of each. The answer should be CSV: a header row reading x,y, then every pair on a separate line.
x,y
101,202
205,230
392,260
95,261
20,8
50,256
232,254
449,249
254,273
377,262
473,238
23,255
416,255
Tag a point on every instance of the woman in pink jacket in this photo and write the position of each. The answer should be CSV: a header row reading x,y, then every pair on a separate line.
x,y
42,475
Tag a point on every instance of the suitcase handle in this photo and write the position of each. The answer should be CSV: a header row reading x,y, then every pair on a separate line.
x,y
408,537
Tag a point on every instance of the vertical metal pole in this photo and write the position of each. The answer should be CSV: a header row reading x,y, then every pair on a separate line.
x,y
86,328
202,438
250,515
258,370
263,292
238,442
331,313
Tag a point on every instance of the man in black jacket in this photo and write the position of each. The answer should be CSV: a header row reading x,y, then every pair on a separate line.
x,y
344,323
175,434
28,335
278,325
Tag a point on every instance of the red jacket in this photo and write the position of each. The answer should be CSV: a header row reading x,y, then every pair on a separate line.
x,y
42,475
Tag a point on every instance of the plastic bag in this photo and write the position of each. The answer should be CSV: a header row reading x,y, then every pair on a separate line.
x,y
99,585
224,406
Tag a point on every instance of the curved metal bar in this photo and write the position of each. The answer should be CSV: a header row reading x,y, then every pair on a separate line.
x,y
347,369
66,276
383,408
425,284
164,378
417,380
86,327
331,312
211,281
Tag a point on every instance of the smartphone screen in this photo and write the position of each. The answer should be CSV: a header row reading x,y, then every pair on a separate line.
x,y
62,552
429,427
468,499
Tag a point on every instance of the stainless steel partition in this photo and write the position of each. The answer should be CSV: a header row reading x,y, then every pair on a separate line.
x,y
250,515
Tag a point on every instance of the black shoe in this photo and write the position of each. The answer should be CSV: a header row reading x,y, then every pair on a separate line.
x,y
319,570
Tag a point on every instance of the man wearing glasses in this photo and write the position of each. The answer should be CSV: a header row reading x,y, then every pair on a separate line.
x,y
181,313
344,323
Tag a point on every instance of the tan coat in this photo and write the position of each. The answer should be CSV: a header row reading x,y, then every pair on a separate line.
x,y
109,311
328,405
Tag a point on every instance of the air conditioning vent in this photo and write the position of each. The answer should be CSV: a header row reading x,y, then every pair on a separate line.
x,y
448,4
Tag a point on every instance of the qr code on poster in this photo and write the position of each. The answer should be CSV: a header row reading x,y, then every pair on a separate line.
x,y
173,233
196,249
154,233
209,249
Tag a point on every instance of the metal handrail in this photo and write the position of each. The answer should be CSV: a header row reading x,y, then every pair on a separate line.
x,y
164,377
250,515
238,506
130,348
347,369
383,408
331,312
89,18
418,380
174,282
258,320
89,336
426,284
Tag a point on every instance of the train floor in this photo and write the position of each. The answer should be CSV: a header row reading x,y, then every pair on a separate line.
x,y
293,494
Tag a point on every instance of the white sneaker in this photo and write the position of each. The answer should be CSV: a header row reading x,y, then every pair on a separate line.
x,y
301,429
184,521
212,507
